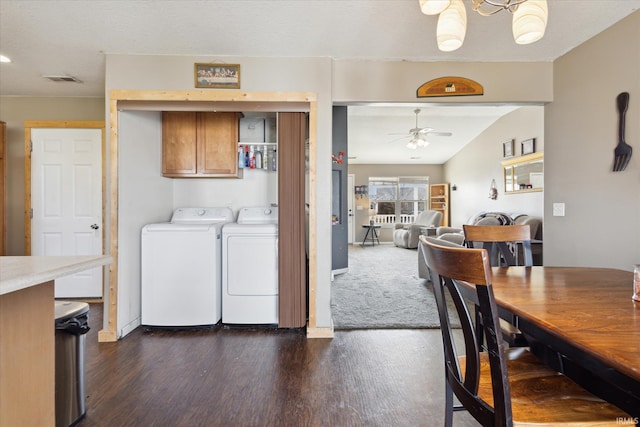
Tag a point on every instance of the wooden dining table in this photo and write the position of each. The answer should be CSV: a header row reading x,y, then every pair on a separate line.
x,y
580,321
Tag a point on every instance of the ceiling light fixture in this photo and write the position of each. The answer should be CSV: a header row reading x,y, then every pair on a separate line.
x,y
528,25
417,142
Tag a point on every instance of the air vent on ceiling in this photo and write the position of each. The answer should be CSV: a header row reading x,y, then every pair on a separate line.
x,y
70,79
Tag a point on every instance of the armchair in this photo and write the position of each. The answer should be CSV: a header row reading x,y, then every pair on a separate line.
x,y
406,235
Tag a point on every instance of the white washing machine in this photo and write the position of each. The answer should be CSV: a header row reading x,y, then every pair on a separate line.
x,y
250,267
181,268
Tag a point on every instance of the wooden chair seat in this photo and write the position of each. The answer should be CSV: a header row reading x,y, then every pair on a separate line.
x,y
541,396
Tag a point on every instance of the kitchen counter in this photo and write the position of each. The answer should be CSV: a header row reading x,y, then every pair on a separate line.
x,y
20,272
27,332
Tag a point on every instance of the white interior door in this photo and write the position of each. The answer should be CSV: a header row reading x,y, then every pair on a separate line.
x,y
66,198
351,178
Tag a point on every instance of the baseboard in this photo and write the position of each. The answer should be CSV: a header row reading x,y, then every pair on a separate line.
x,y
339,271
107,336
320,332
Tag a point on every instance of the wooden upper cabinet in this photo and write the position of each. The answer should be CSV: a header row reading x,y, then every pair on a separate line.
x,y
218,146
199,144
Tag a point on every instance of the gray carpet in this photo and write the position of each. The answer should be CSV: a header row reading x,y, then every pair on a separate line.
x,y
382,290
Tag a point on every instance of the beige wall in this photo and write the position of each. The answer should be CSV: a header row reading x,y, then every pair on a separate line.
x,y
602,222
363,172
473,168
378,81
14,111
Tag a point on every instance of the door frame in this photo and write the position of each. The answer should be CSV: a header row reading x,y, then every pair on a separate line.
x,y
351,181
59,124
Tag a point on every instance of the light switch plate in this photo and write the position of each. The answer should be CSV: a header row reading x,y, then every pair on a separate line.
x,y
558,209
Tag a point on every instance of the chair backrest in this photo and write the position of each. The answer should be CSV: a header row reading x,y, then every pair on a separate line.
x,y
446,266
429,218
500,241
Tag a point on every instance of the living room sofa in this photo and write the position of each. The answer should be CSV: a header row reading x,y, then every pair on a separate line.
x,y
455,236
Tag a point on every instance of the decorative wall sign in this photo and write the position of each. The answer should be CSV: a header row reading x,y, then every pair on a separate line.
x,y
222,76
449,86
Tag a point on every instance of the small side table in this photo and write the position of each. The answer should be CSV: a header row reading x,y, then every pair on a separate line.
x,y
428,231
371,234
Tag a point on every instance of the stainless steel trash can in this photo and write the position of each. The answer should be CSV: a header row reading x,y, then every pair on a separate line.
x,y
71,326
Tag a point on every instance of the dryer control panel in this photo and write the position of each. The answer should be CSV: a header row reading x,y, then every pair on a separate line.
x,y
259,215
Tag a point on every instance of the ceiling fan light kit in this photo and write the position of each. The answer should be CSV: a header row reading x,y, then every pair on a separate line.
x,y
528,26
418,135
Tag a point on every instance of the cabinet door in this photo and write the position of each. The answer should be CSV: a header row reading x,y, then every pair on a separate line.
x,y
179,141
218,144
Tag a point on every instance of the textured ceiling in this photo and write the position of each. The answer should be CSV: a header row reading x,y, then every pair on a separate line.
x,y
55,37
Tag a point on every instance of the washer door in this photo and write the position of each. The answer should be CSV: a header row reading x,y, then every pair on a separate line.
x,y
252,265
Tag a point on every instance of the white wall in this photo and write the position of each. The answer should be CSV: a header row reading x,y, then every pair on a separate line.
x,y
145,197
256,188
473,168
602,223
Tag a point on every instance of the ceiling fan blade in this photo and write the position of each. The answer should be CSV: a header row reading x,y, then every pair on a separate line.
x,y
439,133
398,139
421,130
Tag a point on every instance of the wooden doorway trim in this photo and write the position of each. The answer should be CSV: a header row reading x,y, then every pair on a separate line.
x,y
3,188
64,124
244,101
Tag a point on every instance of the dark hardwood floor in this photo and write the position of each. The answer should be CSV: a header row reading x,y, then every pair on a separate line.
x,y
236,377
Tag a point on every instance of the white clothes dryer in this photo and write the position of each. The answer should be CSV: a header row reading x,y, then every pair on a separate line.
x,y
250,268
181,268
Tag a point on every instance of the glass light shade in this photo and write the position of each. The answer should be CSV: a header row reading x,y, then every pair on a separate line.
x,y
452,26
433,7
412,145
422,143
530,21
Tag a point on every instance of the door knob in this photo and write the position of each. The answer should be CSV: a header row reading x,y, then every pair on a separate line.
x,y
95,226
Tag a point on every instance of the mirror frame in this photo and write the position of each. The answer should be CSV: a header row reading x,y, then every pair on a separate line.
x,y
511,163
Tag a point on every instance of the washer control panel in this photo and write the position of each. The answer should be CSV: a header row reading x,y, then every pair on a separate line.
x,y
205,215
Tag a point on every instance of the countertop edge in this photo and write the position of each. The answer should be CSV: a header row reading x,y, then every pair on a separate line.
x,y
37,270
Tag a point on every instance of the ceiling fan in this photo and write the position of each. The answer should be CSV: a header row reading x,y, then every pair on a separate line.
x,y
418,135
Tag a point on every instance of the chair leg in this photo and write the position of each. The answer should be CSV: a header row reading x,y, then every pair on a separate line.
x,y
479,331
448,415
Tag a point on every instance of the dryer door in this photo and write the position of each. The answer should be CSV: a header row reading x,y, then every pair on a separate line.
x,y
252,264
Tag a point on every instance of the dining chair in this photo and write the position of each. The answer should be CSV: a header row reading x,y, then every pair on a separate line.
x,y
500,387
501,241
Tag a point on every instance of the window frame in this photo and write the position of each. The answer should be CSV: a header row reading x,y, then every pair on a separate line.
x,y
389,220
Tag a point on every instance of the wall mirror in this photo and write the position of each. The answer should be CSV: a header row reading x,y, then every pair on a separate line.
x,y
524,174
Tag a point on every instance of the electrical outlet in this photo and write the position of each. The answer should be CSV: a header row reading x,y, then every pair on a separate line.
x,y
558,209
